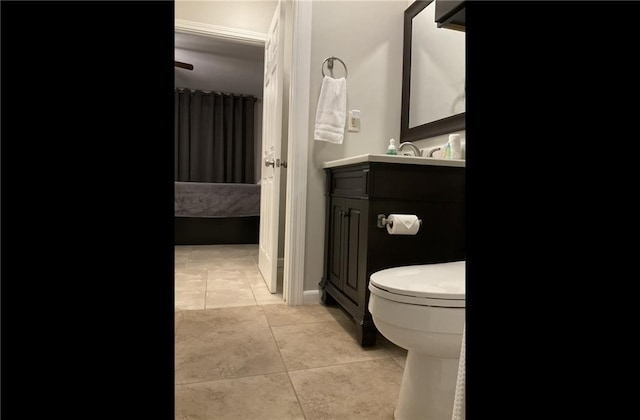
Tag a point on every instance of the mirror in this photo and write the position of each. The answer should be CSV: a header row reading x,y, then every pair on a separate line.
x,y
433,76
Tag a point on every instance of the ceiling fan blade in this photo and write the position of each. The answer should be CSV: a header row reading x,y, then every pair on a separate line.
x,y
184,65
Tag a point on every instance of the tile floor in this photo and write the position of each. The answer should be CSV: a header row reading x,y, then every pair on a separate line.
x,y
242,353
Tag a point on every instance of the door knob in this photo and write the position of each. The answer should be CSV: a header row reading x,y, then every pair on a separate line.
x,y
284,163
271,162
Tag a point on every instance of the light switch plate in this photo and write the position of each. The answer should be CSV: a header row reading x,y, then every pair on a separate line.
x,y
353,123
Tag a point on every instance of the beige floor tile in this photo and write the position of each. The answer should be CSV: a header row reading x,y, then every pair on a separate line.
x,y
207,252
346,322
400,360
364,390
176,321
227,283
194,323
243,263
190,280
180,261
228,251
339,315
234,277
303,314
205,264
189,300
343,318
181,256
264,397
253,276
395,352
264,297
227,362
252,271
216,355
221,273
182,249
229,298
305,346
240,250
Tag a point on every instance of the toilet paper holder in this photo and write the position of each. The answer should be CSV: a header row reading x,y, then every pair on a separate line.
x,y
383,221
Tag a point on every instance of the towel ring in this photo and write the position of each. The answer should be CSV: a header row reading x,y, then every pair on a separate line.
x,y
330,65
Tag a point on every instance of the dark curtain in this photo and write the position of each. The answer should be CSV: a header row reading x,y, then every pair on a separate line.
x,y
214,137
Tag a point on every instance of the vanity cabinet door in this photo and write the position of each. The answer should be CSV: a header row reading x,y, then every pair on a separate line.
x,y
347,249
355,250
337,229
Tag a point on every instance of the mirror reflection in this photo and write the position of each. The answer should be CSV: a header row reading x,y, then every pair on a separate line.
x,y
433,75
437,70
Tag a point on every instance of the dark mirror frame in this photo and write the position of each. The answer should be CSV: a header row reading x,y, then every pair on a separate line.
x,y
431,129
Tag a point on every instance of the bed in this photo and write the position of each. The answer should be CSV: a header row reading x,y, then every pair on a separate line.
x,y
216,213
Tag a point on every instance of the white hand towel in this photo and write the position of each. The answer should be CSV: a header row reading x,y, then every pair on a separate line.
x,y
331,115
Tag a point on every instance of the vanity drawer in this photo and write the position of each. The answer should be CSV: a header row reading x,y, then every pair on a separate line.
x,y
349,182
417,182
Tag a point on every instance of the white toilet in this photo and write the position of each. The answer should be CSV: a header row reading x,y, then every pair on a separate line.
x,y
422,309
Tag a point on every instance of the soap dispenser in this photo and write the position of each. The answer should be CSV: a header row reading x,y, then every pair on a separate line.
x,y
391,150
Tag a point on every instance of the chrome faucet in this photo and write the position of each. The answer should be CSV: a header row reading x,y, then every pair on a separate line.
x,y
416,151
433,151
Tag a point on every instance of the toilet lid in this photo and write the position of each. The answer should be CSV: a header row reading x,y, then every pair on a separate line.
x,y
422,284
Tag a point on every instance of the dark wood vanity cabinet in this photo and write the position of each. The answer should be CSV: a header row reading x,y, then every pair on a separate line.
x,y
355,247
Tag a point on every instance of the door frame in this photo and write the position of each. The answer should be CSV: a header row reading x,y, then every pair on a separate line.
x,y
298,137
297,156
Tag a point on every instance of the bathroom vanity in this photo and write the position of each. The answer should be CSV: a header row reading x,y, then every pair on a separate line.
x,y
360,188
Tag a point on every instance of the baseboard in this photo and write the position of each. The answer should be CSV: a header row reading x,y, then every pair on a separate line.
x,y
311,297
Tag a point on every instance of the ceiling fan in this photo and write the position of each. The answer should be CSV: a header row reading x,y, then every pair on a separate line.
x,y
184,65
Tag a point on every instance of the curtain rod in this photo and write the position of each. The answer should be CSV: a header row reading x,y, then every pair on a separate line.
x,y
183,65
255,98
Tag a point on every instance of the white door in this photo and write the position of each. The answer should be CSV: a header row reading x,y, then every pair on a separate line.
x,y
271,146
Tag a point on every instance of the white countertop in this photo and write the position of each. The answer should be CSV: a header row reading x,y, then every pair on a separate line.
x,y
411,160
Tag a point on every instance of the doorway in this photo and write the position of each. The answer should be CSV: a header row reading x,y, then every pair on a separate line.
x,y
235,65
299,22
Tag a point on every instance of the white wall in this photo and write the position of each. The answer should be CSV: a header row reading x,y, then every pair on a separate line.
x,y
239,14
367,36
220,73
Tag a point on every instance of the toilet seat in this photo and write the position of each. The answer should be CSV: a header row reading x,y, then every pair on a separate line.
x,y
440,284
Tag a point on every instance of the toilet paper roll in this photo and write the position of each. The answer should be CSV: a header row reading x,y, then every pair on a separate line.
x,y
403,224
